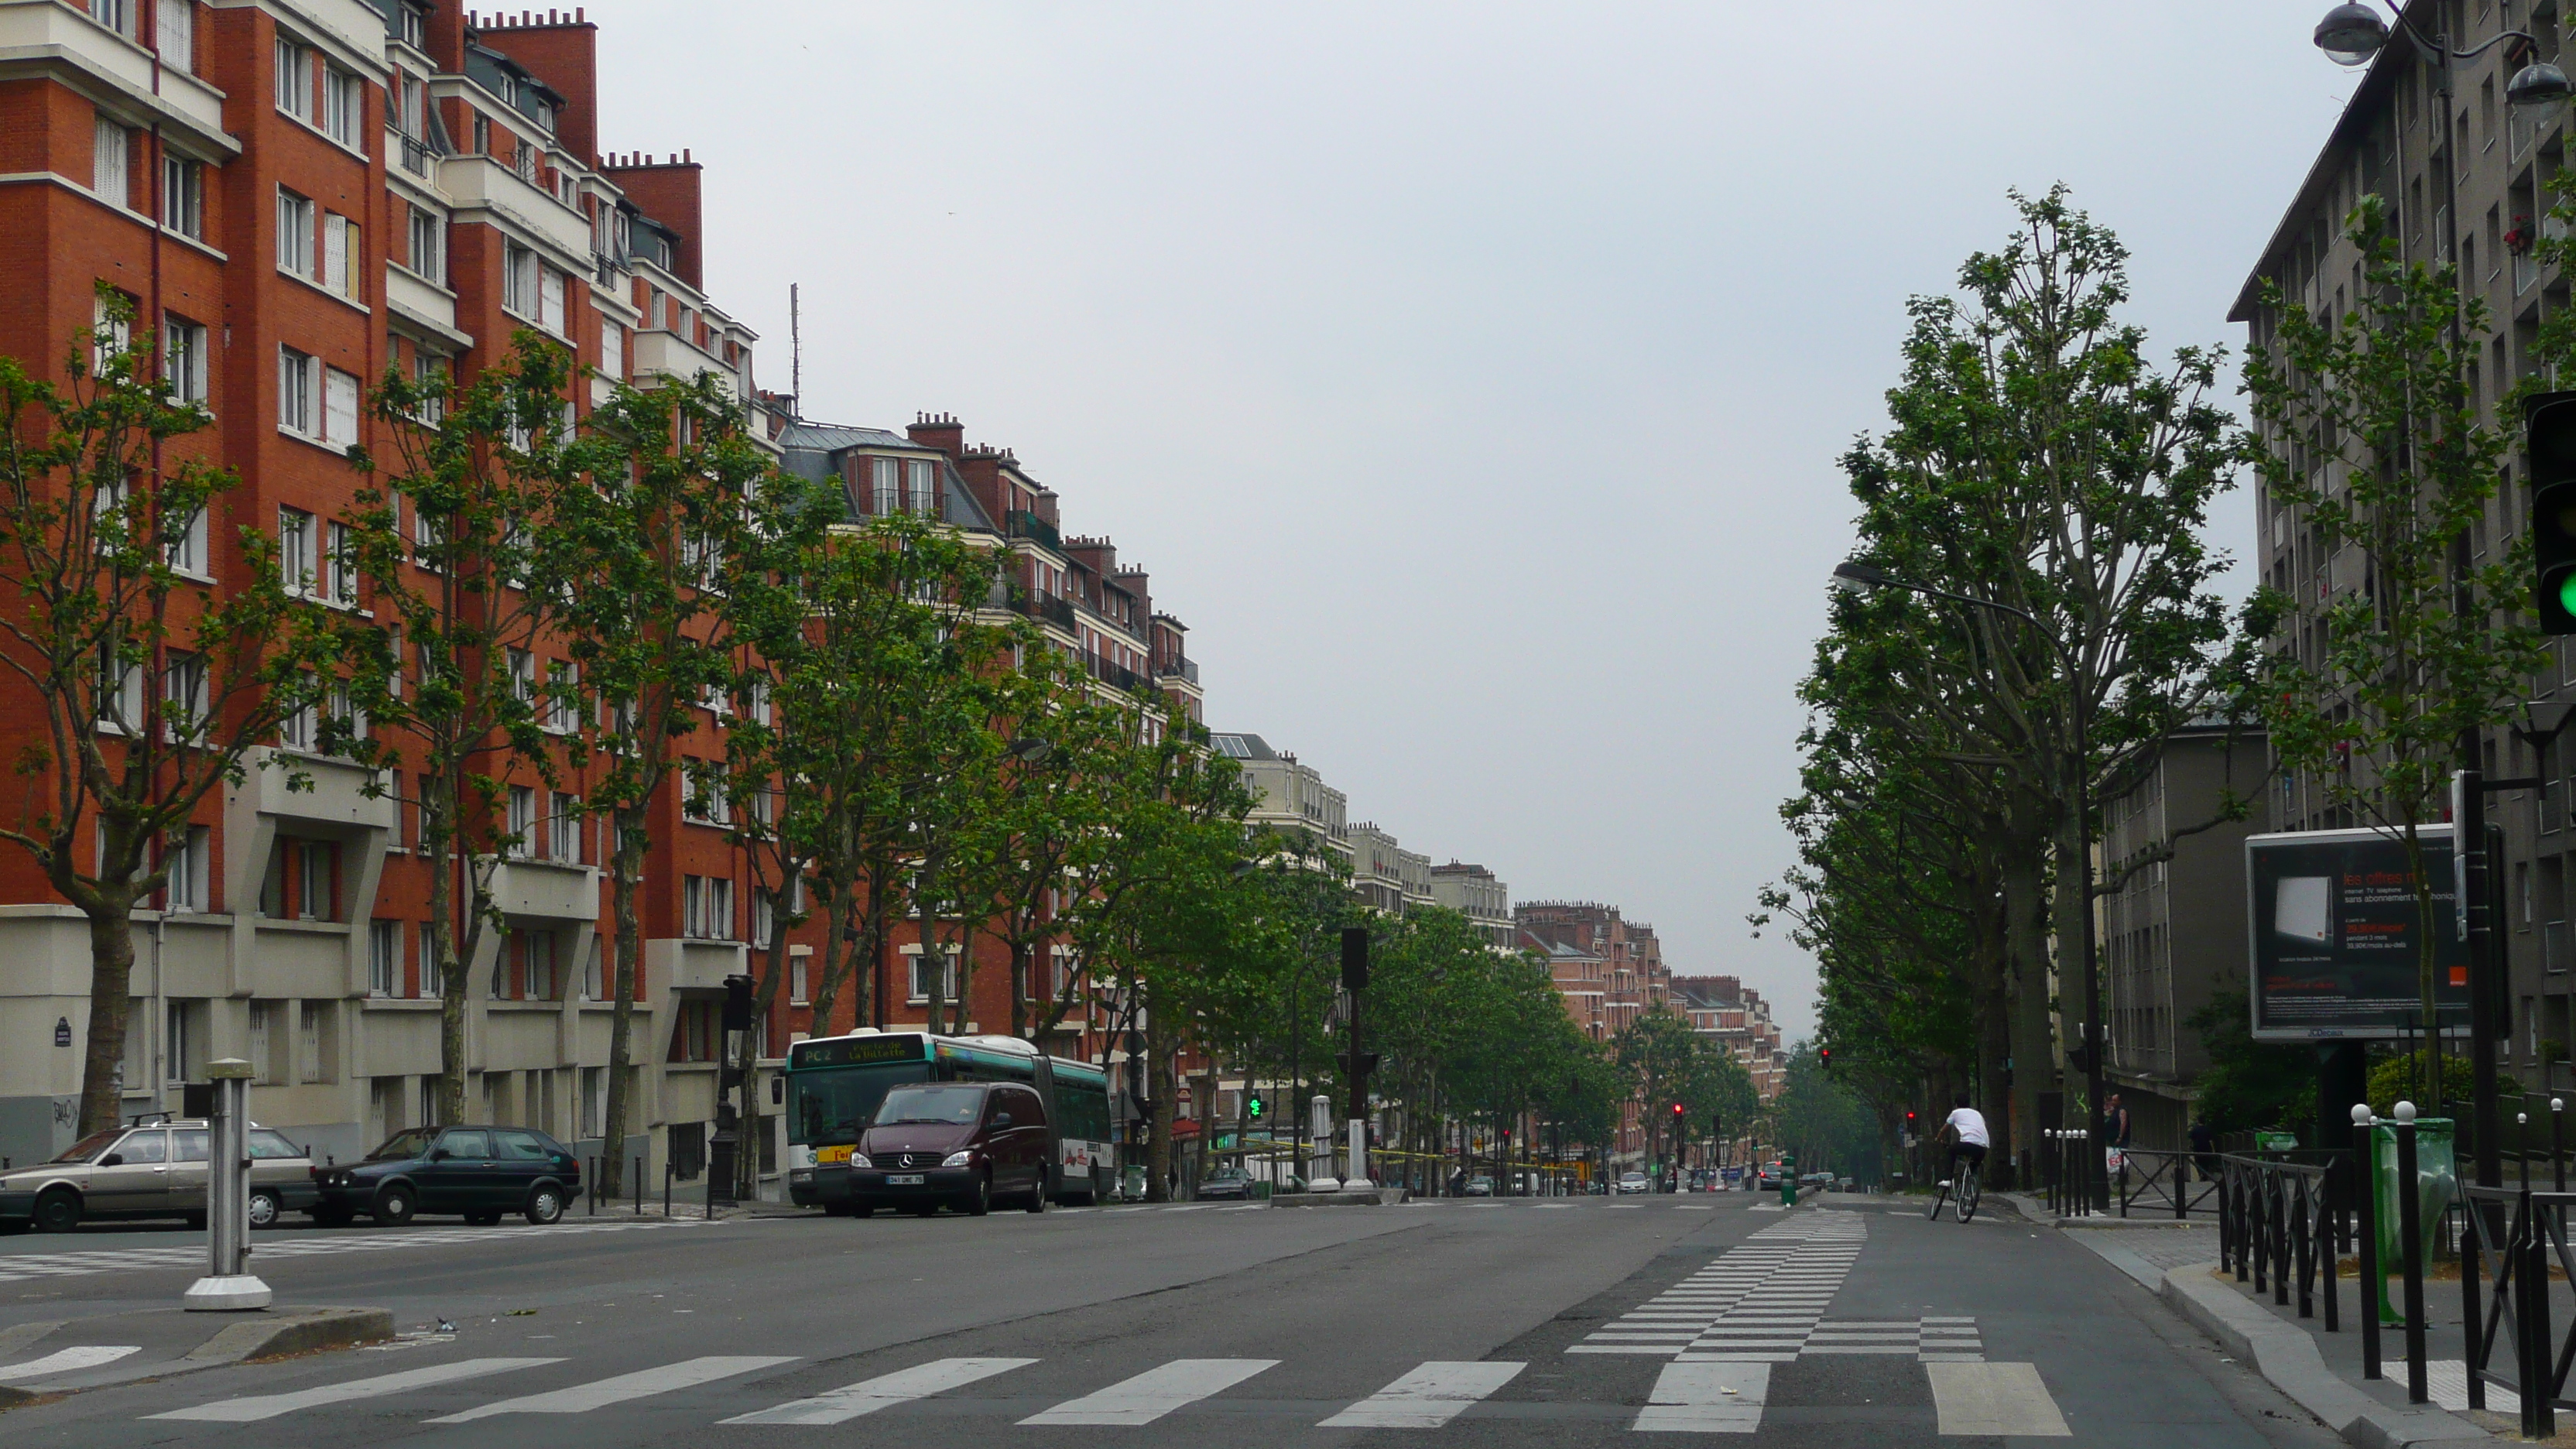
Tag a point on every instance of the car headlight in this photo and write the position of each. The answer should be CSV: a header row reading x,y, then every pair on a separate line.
x,y
963,1157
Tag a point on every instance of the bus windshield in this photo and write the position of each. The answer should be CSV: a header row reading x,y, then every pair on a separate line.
x,y
955,1106
833,1103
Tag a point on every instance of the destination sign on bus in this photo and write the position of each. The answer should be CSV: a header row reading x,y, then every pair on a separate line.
x,y
853,1050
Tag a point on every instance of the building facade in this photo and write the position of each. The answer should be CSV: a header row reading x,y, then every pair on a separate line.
x,y
1739,1020
1473,891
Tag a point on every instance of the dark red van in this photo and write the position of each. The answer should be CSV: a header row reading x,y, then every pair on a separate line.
x,y
964,1144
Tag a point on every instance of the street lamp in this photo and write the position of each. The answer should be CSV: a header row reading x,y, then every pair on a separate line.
x,y
1853,576
2353,34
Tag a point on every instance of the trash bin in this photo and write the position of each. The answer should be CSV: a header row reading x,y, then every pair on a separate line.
x,y
2437,1182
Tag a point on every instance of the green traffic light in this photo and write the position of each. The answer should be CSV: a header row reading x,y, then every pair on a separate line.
x,y
2567,591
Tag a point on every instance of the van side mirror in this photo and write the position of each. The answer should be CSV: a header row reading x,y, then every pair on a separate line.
x,y
1001,1119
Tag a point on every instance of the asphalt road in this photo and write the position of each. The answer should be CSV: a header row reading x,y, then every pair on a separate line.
x,y
1503,1323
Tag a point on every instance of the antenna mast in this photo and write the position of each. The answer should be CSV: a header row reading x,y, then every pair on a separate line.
x,y
795,351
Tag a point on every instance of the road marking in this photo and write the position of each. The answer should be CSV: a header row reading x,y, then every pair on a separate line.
x,y
16,1267
64,1361
1706,1398
252,1409
1995,1399
884,1391
1156,1392
642,1384
2448,1381
1430,1396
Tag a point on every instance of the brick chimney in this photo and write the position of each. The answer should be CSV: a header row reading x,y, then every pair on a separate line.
x,y
939,430
561,48
668,192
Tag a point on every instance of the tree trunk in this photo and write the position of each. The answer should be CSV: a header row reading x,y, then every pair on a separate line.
x,y
2033,1061
621,1021
764,997
2070,922
111,996
1160,1082
1021,952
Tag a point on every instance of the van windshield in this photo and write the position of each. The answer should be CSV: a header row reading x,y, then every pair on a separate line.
x,y
953,1104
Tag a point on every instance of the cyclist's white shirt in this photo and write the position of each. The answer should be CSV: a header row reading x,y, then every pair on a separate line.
x,y
1971,1124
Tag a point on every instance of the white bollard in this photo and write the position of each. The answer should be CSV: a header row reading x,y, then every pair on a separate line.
x,y
229,1286
1319,1119
1359,1173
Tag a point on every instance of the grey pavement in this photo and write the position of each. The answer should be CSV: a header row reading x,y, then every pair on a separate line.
x,y
1503,1323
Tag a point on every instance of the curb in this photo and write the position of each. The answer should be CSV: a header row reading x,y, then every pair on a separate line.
x,y
2286,1357
315,1328
1370,1197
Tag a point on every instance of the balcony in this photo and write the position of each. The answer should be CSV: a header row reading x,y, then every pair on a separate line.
x,y
481,183
1046,609
413,158
277,784
1186,668
546,890
37,32
1023,524
1116,676
662,353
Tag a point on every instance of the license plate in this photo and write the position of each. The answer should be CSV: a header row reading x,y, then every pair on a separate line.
x,y
831,1154
905,1179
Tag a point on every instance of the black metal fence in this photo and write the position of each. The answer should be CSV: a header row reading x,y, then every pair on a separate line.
x,y
2508,1240
2282,1224
2161,1183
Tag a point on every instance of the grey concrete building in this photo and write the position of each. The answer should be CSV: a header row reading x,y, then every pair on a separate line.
x,y
1473,891
2390,142
2173,934
1291,797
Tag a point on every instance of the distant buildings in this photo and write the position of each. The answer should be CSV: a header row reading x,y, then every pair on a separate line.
x,y
1472,891
1608,968
1725,1008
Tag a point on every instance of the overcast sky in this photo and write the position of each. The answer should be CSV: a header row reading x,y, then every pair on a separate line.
x,y
1469,376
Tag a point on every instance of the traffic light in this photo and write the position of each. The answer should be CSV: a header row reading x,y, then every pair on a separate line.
x,y
1255,1108
1677,1112
1355,958
1825,1055
2549,433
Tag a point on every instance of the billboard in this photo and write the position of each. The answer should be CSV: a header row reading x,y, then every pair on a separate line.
x,y
2335,930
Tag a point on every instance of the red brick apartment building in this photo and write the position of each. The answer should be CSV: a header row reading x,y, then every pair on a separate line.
x,y
299,195
1609,969
1736,1015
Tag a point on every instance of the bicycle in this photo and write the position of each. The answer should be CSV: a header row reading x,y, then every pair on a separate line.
x,y
1971,1184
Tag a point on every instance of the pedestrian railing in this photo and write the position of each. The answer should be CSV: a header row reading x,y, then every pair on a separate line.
x,y
2160,1182
2509,1238
2281,1224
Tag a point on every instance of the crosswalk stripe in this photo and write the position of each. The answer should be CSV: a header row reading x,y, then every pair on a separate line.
x,y
2448,1381
1430,1396
884,1391
1706,1398
65,1360
1995,1399
1156,1392
642,1384
252,1409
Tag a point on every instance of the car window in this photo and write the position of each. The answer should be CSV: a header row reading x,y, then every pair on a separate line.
x,y
145,1147
90,1148
523,1147
268,1145
950,1104
467,1144
188,1144
409,1143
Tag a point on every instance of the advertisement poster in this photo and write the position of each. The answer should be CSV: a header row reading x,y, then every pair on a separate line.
x,y
2336,928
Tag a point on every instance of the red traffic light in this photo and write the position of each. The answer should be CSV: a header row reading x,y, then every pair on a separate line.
x,y
1825,1056
1677,1109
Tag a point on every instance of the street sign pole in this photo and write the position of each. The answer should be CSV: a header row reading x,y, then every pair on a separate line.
x,y
228,1286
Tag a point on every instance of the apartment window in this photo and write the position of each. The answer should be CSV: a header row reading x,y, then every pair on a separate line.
x,y
111,337
482,135
191,862
706,908
116,15
523,676
612,350
564,711
921,977
263,1045
294,79
523,820
346,712
183,693
796,984
295,391
340,407
340,565
519,279
295,550
183,195
563,830
176,42
311,1039
886,486
429,245
539,965
384,958
344,106
294,233
183,359
178,1043
431,372
411,105
107,162
550,300
313,885
342,257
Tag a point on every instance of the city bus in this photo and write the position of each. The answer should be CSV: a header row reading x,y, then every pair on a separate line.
x,y
833,1086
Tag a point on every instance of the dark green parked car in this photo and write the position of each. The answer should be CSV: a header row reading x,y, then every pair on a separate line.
x,y
478,1172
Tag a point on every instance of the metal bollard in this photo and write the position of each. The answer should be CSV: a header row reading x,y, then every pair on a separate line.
x,y
2539,1409
2558,1142
593,1195
2366,1206
639,1187
2410,1246
666,1188
2182,1183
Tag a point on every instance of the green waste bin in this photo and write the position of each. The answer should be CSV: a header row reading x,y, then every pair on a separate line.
x,y
2270,1140
2437,1182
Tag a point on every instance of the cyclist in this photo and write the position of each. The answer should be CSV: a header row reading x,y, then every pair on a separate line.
x,y
1968,1126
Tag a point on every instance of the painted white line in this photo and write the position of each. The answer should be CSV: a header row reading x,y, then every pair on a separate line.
x,y
252,1409
64,1361
883,1392
1426,1398
1155,1392
1995,1399
1706,1398
642,1384
2448,1379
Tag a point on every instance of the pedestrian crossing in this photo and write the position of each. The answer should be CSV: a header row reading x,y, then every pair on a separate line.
x,y
267,1248
1688,1396
65,1361
1764,1301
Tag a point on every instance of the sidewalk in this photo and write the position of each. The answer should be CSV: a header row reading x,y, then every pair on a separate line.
x,y
2320,1371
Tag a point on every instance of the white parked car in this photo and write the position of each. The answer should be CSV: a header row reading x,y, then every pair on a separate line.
x,y
1632,1182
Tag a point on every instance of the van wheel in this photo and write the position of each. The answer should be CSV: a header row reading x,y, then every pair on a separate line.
x,y
1038,1194
979,1198
395,1205
264,1207
58,1211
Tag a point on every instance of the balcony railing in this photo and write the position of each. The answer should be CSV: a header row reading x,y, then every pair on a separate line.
x,y
1116,676
1046,609
1186,668
1023,524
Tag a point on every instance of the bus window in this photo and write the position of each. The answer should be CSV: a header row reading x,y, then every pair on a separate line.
x,y
833,1105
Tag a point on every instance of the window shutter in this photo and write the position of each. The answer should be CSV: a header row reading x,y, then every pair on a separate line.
x,y
107,162
335,253
550,300
340,398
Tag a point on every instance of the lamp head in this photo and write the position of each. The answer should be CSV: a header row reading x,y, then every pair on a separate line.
x,y
2538,87
1852,576
2352,34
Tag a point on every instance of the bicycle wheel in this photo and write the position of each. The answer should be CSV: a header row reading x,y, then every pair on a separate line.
x,y
1939,1192
1971,1189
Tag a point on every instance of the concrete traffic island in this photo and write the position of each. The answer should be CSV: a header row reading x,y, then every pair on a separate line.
x,y
70,1355
1341,1197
